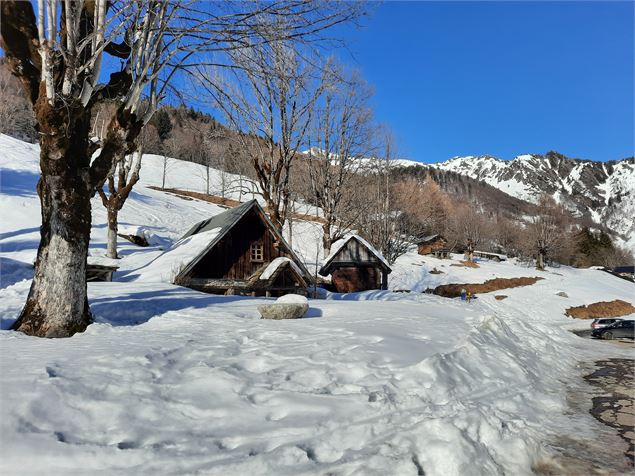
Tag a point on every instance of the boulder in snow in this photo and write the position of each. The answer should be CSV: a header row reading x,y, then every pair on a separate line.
x,y
290,306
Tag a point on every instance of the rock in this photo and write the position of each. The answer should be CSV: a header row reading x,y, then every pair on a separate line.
x,y
562,294
500,297
282,310
135,239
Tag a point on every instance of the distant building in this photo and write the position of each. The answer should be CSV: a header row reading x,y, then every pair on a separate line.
x,y
354,265
431,244
236,252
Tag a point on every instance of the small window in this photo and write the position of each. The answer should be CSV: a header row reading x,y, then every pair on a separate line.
x,y
256,252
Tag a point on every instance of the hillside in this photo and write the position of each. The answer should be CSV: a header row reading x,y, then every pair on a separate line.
x,y
597,192
603,191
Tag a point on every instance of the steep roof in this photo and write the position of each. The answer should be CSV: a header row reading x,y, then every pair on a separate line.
x,y
340,245
426,239
169,264
225,220
181,257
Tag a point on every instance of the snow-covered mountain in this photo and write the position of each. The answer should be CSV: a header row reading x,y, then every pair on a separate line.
x,y
603,191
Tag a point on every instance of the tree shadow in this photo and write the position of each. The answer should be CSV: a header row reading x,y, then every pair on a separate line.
x,y
23,231
372,295
313,312
19,183
13,271
135,308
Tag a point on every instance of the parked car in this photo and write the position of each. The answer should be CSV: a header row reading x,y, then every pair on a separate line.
x,y
600,323
617,330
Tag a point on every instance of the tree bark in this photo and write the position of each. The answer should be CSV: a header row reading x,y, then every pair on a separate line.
x,y
327,241
57,305
469,253
111,247
540,262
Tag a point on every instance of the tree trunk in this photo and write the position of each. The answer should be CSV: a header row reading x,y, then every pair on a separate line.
x,y
469,253
57,305
274,215
327,241
111,248
540,262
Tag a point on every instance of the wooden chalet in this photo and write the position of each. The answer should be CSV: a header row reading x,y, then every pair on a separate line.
x,y
432,244
238,252
354,265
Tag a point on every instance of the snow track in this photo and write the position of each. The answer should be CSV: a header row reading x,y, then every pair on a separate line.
x,y
172,381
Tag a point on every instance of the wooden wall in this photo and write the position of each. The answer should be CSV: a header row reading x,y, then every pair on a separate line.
x,y
231,257
355,252
353,279
431,246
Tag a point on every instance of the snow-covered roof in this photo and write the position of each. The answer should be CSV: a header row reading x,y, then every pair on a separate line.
x,y
491,254
339,245
271,269
170,263
425,239
202,237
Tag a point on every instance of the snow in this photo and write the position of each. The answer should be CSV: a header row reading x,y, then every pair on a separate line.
x,y
172,381
293,298
169,264
275,264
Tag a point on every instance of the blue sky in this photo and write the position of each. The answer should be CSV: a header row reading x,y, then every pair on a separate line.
x,y
501,78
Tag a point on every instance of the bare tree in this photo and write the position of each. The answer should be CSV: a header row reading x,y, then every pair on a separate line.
x,y
269,102
16,115
546,230
58,55
469,228
507,236
120,182
341,135
424,203
385,225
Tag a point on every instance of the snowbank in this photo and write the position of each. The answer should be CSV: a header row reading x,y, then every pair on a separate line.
x,y
172,381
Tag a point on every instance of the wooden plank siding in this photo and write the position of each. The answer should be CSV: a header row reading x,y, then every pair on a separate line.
x,y
351,279
231,257
355,252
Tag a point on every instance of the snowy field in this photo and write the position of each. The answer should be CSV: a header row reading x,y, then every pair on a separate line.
x,y
172,381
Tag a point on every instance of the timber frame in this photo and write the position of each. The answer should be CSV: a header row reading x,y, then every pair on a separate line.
x,y
226,265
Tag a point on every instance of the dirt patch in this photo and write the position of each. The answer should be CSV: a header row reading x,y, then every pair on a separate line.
x,y
596,310
454,290
228,202
500,297
467,264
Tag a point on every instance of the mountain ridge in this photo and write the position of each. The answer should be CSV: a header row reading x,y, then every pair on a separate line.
x,y
602,191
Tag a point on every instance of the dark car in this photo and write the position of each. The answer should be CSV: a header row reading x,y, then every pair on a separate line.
x,y
621,329
603,322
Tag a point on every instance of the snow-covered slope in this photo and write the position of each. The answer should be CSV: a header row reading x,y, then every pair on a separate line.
x,y
605,191
173,381
602,191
